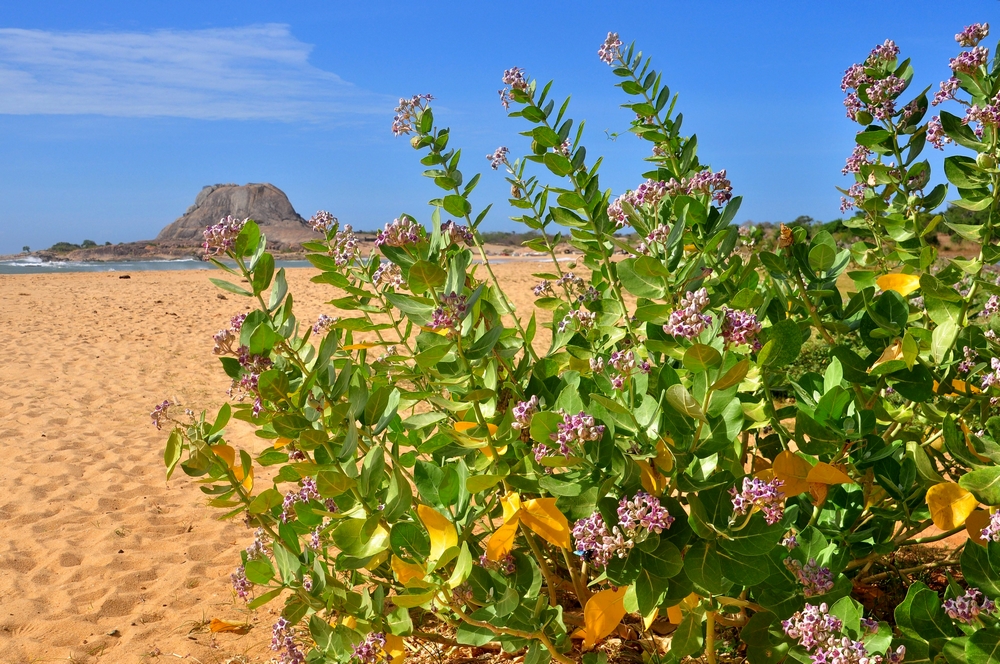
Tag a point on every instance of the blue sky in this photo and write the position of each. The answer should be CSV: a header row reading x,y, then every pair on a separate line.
x,y
113,115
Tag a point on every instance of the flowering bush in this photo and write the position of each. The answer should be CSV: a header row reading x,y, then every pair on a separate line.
x,y
434,475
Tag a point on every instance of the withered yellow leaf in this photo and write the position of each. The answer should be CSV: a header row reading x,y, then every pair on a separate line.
x,y
893,351
361,346
674,614
468,426
818,492
792,470
488,452
664,460
543,517
281,442
975,523
395,648
217,626
647,621
247,481
824,473
226,453
604,611
511,504
502,540
904,284
406,572
651,480
441,531
950,505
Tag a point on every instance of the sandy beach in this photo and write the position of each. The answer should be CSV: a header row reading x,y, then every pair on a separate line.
x,y
102,559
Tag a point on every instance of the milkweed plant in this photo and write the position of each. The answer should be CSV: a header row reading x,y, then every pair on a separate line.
x,y
632,456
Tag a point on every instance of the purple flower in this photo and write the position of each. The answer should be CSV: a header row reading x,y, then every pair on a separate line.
x,y
637,517
498,158
506,565
991,533
644,511
399,233
371,650
256,549
993,377
314,539
855,196
388,275
860,157
450,313
407,112
882,94
815,580
586,319
542,288
869,625
765,496
896,656
224,339
968,62
812,626
740,327
625,364
323,324
935,133
947,91
688,321
967,608
970,355
610,48
455,233
705,183
241,585
854,78
306,492
988,115
523,412
575,430
283,638
648,195
159,414
322,221
885,52
221,237
973,34
790,541
512,78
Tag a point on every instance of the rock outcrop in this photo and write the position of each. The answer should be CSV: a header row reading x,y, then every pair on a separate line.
x,y
264,203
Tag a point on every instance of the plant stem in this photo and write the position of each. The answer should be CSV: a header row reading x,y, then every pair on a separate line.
x,y
710,637
550,582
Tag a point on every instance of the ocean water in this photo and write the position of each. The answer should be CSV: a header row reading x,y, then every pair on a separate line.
x,y
33,265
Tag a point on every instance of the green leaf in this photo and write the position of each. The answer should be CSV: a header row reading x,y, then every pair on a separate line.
x,y
763,637
920,615
734,376
259,571
172,452
425,276
457,205
822,252
981,567
543,425
689,638
262,274
642,277
683,402
703,566
288,562
700,357
784,341
942,339
983,647
984,483
232,288
264,599
743,570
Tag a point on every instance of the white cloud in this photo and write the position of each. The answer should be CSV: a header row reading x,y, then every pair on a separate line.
x,y
255,72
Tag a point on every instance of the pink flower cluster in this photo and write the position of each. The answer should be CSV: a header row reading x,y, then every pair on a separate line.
x,y
765,496
988,115
705,183
407,112
450,313
454,233
399,233
968,62
649,194
306,492
637,517
159,414
388,275
881,92
498,158
507,565
586,319
815,580
860,157
574,431
224,339
947,91
322,221
967,608
993,377
323,324
935,133
513,79
970,355
344,246
819,633
610,49
855,195
283,638
523,412
221,237
991,533
371,650
689,321
740,327
973,34
625,365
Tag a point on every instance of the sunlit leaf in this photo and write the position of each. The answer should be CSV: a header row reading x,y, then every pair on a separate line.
x,y
502,540
652,481
218,625
793,470
602,615
395,648
950,505
406,572
226,453
904,284
975,523
543,517
441,531
824,473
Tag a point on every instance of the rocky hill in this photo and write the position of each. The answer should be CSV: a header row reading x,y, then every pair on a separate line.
x,y
264,203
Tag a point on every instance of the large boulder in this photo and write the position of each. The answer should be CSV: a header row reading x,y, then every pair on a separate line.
x,y
264,203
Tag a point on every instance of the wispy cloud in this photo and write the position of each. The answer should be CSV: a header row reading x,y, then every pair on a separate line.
x,y
254,72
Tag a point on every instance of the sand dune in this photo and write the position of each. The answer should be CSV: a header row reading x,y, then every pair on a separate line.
x,y
102,559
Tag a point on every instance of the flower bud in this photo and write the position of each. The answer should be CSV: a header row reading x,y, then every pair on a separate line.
x,y
986,161
864,118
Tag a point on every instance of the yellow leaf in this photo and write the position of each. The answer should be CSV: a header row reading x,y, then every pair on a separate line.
x,y
511,504
647,621
361,346
442,331
602,614
824,473
502,540
893,351
406,572
904,284
488,452
651,480
217,626
281,442
226,453
395,648
818,492
674,614
950,505
793,470
468,426
975,523
440,529
246,481
543,517
664,460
